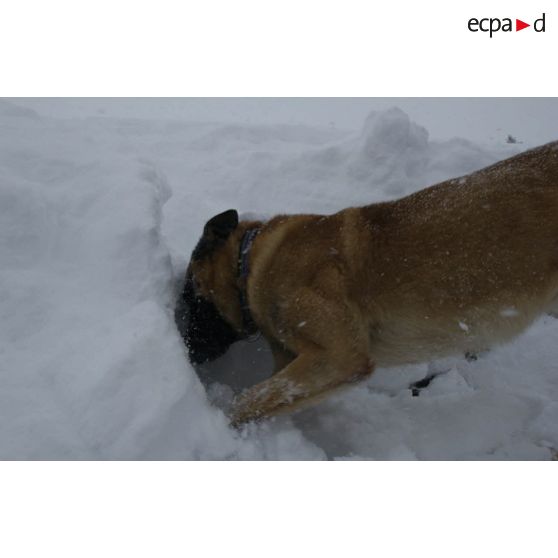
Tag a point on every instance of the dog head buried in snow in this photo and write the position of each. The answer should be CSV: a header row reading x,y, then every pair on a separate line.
x,y
207,333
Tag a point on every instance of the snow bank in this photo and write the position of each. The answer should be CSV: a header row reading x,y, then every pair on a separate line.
x,y
97,219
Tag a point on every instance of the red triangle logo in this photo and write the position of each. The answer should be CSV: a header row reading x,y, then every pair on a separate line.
x,y
519,25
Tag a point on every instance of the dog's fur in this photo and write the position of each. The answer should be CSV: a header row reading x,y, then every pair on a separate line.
x,y
453,268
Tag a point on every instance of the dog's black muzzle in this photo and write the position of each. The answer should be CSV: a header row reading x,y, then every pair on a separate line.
x,y
206,334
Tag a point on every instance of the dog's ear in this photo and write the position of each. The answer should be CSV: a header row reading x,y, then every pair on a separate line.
x,y
215,233
222,225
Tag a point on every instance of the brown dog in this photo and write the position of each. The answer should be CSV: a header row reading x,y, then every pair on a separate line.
x,y
454,268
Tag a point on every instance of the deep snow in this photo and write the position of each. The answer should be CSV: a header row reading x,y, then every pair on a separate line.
x,y
97,220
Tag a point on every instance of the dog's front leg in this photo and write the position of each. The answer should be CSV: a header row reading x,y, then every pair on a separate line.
x,y
307,379
282,357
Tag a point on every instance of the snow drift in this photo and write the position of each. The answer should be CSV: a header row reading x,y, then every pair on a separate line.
x,y
97,220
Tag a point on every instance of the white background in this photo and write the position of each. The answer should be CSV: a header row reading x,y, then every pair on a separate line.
x,y
287,48
254,48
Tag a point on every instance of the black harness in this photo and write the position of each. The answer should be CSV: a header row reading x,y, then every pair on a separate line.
x,y
248,324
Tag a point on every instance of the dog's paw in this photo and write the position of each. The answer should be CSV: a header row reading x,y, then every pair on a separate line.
x,y
239,420
417,387
243,411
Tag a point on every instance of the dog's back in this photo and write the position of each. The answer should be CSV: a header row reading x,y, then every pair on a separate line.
x,y
463,264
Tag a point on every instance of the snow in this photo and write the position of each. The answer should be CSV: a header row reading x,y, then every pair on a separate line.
x,y
98,216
